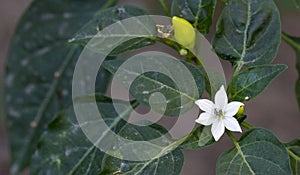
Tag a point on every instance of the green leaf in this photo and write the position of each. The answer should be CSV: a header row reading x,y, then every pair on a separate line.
x,y
197,12
295,43
63,146
110,16
257,152
170,164
40,68
243,30
252,81
293,149
164,162
200,138
64,149
297,3
99,97
147,85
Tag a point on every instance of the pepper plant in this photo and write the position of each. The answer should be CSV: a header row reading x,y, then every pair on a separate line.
x,y
48,133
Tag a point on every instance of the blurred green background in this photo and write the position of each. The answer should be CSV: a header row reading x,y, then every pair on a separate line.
x,y
275,109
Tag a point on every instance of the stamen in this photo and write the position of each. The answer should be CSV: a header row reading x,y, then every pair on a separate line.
x,y
219,113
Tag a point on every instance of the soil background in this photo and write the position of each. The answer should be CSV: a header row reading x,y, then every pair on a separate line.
x,y
275,109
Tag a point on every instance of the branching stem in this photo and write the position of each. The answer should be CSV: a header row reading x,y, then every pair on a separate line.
x,y
165,7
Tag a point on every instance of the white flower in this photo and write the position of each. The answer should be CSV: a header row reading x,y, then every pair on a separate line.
x,y
219,114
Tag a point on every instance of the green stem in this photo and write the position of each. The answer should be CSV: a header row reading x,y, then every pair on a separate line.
x,y
198,62
246,125
224,1
165,7
195,59
287,39
108,4
231,136
169,43
189,59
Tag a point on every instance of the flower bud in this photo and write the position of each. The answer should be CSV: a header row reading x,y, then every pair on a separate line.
x,y
241,110
184,32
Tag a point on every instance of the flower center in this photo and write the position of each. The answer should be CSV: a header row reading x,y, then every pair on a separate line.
x,y
219,113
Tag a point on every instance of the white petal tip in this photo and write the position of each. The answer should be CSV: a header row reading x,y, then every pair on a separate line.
x,y
236,130
199,121
217,138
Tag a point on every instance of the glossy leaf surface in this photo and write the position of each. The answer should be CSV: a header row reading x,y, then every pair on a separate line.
x,y
243,30
257,152
40,68
252,81
197,12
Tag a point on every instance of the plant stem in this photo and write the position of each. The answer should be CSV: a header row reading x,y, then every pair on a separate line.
x,y
231,136
169,43
165,7
109,3
246,125
198,62
287,39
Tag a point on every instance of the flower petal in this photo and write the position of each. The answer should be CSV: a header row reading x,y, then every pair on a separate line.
x,y
232,108
205,119
217,129
205,105
221,99
232,124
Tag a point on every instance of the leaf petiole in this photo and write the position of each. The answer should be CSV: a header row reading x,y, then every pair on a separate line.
x,y
165,7
231,136
288,40
246,125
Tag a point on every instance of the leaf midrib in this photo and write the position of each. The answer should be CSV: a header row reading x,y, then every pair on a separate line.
x,y
44,105
294,156
241,61
48,98
198,14
168,149
155,81
240,152
250,84
115,122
